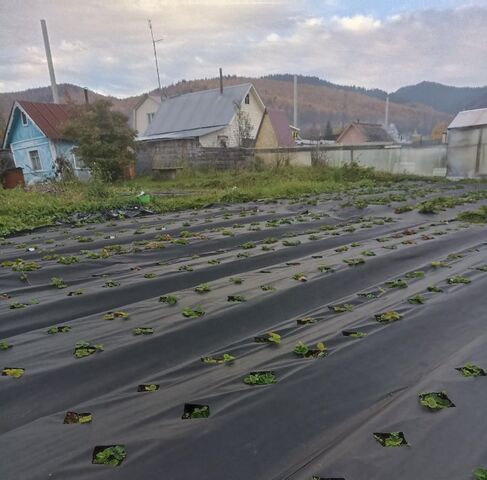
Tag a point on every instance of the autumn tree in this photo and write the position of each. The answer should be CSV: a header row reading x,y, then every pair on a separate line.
x,y
243,127
104,141
438,129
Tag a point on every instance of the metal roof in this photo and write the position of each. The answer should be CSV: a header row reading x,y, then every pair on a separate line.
x,y
193,133
470,118
207,109
47,116
372,132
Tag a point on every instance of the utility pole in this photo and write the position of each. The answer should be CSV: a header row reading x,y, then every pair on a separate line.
x,y
55,95
155,58
295,113
386,119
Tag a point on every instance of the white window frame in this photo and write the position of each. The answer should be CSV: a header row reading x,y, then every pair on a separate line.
x,y
150,117
247,99
24,119
78,164
38,159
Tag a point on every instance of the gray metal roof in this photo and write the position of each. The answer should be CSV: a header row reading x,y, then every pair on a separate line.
x,y
183,115
470,118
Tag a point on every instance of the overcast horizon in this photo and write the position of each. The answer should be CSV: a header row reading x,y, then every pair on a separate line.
x,y
106,46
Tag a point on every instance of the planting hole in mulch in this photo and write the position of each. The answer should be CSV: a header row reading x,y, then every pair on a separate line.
x,y
112,455
193,410
81,418
302,350
391,439
342,308
61,329
236,298
389,316
226,358
114,315
305,321
13,372
143,331
435,400
372,294
353,334
265,377
471,370
148,387
314,477
270,337
84,349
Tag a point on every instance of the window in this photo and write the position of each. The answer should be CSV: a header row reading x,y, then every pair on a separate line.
x,y
23,116
35,160
77,162
222,141
150,117
247,99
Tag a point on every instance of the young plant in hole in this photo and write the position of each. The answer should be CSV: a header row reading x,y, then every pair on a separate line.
x,y
226,358
111,284
75,293
185,268
13,372
116,314
236,280
355,244
389,316
4,345
348,333
81,418
214,261
397,283
343,248
168,299
149,387
480,474
391,439
143,331
435,400
112,455
368,253
417,300
325,269
260,378
195,411
84,349
291,243
203,288
439,264
67,260
61,329
458,279
150,275
58,282
17,305
417,274
302,350
247,245
373,294
305,321
193,312
345,307
434,289
267,288
471,370
353,262
300,277
236,298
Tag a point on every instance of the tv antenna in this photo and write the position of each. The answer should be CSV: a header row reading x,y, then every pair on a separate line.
x,y
155,58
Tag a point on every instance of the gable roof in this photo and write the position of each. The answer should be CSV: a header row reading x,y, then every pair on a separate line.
x,y
280,124
197,113
372,132
469,118
144,97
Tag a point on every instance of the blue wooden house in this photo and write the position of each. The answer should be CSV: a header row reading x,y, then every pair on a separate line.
x,y
34,137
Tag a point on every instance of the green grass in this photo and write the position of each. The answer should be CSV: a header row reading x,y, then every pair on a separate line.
x,y
43,206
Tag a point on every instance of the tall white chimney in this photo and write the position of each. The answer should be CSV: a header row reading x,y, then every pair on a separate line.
x,y
55,95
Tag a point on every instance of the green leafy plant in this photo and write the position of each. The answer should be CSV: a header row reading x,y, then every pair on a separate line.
x,y
305,321
458,279
325,269
13,372
345,307
300,277
203,288
480,474
391,439
196,411
260,378
267,288
149,387
368,253
389,316
247,245
193,312
417,300
84,349
58,282
17,305
143,331
236,298
343,248
60,329
397,283
112,455
438,264
4,345
435,400
225,358
353,262
236,280
353,334
75,293
111,284
116,314
434,289
302,350
185,268
81,418
67,260
150,275
417,274
373,294
471,370
168,299
291,243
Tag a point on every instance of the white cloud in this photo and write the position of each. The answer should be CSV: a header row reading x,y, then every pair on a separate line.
x,y
106,45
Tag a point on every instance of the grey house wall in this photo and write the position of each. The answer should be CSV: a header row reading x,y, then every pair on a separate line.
x,y
467,152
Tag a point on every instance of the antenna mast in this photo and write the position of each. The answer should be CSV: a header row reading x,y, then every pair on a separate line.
x,y
155,58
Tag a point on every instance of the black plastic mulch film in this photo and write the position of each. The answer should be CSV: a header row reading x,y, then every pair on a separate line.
x,y
245,342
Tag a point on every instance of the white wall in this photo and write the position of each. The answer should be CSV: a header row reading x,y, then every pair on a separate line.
x,y
463,147
139,115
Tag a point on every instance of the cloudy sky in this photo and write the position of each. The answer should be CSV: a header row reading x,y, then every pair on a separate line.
x,y
105,44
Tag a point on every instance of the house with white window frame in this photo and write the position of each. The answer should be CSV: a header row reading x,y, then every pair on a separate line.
x,y
34,137
144,111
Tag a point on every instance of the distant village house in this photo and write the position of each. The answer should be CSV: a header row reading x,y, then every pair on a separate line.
x,y
358,133
144,112
33,135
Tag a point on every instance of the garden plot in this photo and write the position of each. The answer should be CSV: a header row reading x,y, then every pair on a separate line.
x,y
335,336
